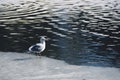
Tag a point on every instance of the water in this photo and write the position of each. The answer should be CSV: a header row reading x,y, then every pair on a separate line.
x,y
81,32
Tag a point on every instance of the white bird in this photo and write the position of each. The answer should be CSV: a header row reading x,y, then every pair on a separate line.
x,y
38,47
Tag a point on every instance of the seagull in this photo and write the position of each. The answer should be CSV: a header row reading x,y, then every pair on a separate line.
x,y
38,47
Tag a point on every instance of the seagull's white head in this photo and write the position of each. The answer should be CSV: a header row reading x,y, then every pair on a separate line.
x,y
42,38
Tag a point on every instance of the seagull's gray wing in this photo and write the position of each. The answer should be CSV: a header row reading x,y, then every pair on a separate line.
x,y
35,48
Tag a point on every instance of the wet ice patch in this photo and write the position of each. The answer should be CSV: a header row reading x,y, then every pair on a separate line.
x,y
15,66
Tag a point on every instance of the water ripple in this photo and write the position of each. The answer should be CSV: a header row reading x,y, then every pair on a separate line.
x,y
78,29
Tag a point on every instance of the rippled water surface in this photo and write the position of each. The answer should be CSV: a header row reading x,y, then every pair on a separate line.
x,y
81,32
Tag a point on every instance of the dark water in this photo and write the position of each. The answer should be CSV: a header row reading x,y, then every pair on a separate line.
x,y
81,32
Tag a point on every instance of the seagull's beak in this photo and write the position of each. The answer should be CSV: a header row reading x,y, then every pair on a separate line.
x,y
47,39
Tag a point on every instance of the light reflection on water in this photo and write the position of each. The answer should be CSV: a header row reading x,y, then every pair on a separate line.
x,y
81,32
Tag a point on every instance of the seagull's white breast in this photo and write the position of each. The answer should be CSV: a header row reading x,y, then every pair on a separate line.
x,y
42,46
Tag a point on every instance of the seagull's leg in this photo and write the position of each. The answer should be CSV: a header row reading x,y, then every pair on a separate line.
x,y
36,53
39,54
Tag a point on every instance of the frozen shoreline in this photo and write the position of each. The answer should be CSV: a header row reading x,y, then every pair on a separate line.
x,y
19,66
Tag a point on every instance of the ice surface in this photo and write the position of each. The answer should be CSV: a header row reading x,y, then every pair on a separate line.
x,y
20,66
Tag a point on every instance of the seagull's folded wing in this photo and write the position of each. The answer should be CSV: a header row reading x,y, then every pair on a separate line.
x,y
35,48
